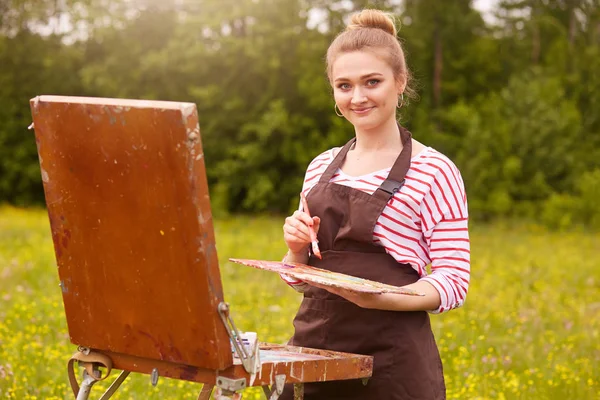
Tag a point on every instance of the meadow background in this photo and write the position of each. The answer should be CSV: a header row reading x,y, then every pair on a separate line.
x,y
511,94
530,328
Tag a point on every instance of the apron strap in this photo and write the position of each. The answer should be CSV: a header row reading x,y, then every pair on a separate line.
x,y
395,179
337,162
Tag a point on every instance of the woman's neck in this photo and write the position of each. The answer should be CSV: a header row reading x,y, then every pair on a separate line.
x,y
382,137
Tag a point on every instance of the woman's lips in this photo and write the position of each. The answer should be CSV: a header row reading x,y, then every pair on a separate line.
x,y
361,111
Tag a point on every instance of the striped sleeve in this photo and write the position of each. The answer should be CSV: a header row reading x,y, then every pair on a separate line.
x,y
315,169
444,225
296,284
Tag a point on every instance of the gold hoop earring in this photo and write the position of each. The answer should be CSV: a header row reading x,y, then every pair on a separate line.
x,y
337,110
400,100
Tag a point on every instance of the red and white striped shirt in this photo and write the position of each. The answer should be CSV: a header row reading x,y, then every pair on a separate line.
x,y
426,222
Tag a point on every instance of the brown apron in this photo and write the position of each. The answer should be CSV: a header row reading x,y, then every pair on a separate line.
x,y
407,364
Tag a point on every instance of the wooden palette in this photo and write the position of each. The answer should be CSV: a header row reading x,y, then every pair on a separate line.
x,y
320,276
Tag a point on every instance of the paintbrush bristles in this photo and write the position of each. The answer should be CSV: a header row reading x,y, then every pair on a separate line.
x,y
311,229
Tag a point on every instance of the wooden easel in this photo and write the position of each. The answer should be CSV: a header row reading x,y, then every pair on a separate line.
x,y
127,198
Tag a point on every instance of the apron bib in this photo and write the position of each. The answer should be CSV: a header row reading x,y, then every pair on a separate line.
x,y
407,365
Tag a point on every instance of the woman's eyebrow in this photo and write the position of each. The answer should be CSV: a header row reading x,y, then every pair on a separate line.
x,y
370,75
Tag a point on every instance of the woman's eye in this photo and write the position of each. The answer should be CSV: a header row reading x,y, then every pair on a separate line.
x,y
373,82
344,86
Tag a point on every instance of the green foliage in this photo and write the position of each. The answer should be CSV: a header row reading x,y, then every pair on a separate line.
x,y
30,64
514,104
581,207
520,146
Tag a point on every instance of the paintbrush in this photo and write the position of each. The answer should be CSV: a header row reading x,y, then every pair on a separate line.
x,y
311,230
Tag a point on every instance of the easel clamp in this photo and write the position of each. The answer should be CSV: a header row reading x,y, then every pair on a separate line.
x,y
248,359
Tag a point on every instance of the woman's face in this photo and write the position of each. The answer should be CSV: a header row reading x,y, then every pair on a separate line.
x,y
364,89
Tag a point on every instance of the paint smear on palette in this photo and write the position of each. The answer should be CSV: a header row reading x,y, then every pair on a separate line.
x,y
320,276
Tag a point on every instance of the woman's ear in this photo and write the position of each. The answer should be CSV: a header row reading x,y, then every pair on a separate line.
x,y
401,84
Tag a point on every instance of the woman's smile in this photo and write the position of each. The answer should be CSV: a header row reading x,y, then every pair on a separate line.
x,y
361,110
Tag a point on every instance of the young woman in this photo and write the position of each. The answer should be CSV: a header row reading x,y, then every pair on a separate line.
x,y
384,206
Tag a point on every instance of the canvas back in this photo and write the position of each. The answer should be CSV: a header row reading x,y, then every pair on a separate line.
x,y
127,197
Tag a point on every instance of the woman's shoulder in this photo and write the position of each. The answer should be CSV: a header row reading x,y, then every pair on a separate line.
x,y
317,167
323,159
434,162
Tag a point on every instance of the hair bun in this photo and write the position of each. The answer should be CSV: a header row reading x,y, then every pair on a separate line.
x,y
373,19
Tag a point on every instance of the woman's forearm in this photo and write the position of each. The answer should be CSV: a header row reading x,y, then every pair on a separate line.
x,y
393,301
400,302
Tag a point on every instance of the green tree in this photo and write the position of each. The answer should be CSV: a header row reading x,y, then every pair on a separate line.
x,y
514,104
521,146
31,65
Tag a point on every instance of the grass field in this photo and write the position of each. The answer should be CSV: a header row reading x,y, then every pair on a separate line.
x,y
530,328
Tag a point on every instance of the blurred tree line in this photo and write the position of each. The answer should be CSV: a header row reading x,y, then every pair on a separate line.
x,y
515,102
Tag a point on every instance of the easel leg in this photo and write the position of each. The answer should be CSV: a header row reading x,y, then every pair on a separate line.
x,y
267,391
298,391
206,392
86,386
115,385
276,390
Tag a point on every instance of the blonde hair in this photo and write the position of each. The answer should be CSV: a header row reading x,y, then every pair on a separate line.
x,y
373,30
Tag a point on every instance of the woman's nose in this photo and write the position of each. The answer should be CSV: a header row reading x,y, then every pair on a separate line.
x,y
358,96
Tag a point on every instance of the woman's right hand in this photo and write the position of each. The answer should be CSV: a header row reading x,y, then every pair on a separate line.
x,y
296,232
